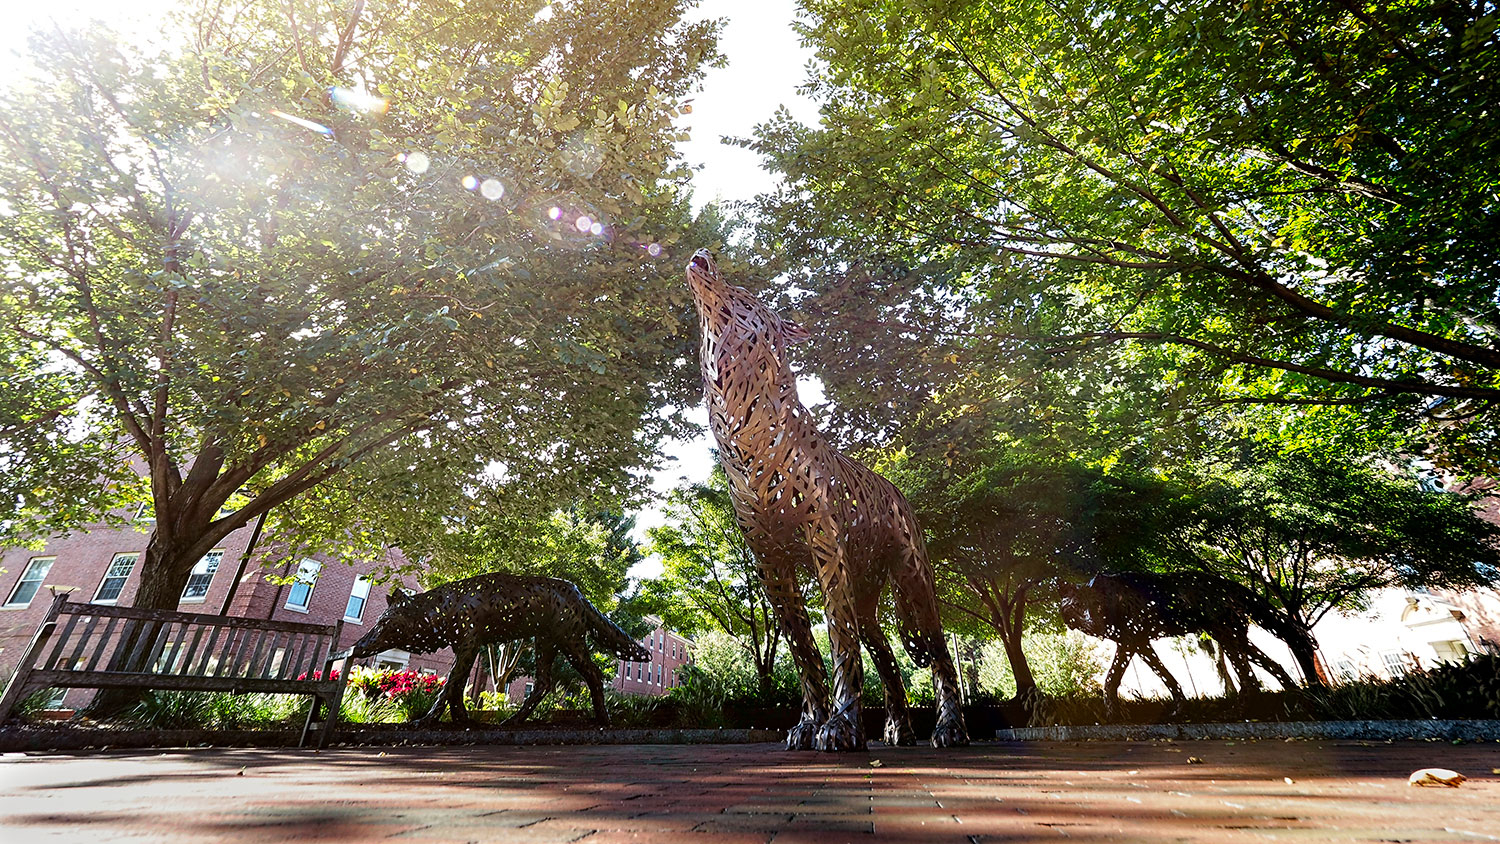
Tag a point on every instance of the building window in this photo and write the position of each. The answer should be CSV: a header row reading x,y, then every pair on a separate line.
x,y
529,687
1395,663
202,576
1345,670
145,512
114,578
31,580
301,594
355,609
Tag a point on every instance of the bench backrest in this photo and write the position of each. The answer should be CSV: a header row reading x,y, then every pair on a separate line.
x,y
108,643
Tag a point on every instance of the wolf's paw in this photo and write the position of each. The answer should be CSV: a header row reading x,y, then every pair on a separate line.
x,y
950,734
801,736
898,733
838,734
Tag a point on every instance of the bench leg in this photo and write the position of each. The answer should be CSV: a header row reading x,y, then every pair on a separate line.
x,y
332,722
312,712
20,685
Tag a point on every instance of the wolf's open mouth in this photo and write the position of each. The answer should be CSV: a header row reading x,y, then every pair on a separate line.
x,y
700,262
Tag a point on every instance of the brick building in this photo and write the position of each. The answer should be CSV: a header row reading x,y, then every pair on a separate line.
x,y
102,565
669,655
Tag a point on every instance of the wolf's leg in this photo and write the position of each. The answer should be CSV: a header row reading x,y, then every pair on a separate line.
x,y
1271,666
922,630
578,654
543,684
1148,653
1112,679
844,729
897,721
779,578
463,666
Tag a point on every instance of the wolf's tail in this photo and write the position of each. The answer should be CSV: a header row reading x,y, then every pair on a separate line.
x,y
608,634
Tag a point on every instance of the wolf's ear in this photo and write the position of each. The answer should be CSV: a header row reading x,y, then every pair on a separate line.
x,y
794,333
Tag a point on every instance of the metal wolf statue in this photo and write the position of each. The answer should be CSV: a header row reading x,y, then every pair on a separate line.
x,y
476,611
802,504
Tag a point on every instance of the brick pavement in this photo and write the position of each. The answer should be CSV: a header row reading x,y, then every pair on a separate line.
x,y
752,794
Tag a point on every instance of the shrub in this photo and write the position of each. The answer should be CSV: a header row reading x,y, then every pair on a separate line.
x,y
411,692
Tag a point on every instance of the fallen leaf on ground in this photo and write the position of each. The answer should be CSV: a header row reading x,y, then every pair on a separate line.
x,y
1436,777
875,763
1193,760
1288,780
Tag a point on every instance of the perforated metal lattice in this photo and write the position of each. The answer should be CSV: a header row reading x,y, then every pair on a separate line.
x,y
1133,608
488,609
802,503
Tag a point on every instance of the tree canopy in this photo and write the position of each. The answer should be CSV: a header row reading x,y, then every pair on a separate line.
x,y
1283,207
386,268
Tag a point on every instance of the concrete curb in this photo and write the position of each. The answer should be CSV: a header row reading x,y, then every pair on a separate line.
x,y
1451,730
13,739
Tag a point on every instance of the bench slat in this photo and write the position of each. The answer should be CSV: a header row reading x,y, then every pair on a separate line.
x,y
158,641
192,649
109,630
243,637
83,639
114,680
208,651
108,611
260,642
60,639
131,631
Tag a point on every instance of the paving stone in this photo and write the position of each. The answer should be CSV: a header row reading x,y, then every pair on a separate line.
x,y
753,794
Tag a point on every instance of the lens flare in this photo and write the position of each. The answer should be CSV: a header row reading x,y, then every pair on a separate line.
x,y
584,223
470,183
597,228
491,189
305,124
417,162
654,250
349,99
554,212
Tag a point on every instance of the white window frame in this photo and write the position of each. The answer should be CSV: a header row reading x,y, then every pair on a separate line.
x,y
109,574
1395,663
398,660
146,512
364,600
207,567
307,575
45,564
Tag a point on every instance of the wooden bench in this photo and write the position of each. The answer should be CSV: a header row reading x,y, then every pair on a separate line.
x,y
92,646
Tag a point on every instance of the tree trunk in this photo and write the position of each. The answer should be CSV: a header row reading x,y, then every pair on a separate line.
x,y
163,577
1025,681
1010,621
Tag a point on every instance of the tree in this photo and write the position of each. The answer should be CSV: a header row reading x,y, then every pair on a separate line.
x,y
1006,524
1281,206
710,578
1315,535
387,269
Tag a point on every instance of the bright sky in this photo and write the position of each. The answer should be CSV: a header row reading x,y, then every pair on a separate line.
x,y
766,63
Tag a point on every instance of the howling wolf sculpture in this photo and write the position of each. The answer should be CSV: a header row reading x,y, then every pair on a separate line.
x,y
802,504
476,611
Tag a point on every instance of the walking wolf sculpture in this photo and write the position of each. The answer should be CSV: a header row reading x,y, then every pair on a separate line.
x,y
1132,608
803,504
476,611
